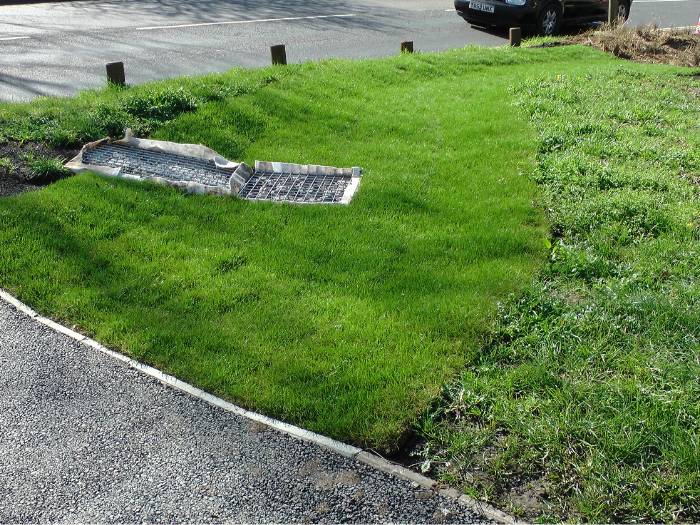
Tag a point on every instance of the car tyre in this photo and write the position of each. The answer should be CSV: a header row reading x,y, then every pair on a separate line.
x,y
549,20
623,11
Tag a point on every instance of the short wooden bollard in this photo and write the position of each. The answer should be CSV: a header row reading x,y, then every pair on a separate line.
x,y
407,46
115,73
612,12
279,55
515,36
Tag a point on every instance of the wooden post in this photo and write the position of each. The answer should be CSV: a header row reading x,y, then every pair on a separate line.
x,y
115,73
279,55
612,12
407,46
515,36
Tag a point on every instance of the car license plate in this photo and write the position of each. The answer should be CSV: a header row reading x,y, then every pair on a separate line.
x,y
481,7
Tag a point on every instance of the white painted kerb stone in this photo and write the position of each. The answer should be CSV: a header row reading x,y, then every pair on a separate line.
x,y
343,449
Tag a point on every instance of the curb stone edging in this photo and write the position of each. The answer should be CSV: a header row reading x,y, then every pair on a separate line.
x,y
348,451
384,465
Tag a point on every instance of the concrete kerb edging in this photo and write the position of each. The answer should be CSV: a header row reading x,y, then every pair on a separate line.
x,y
347,451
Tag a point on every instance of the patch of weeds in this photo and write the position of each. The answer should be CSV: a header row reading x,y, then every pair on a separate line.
x,y
584,405
108,120
144,109
160,105
6,166
585,262
142,112
47,170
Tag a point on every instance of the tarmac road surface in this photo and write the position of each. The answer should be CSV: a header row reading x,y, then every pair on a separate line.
x,y
62,48
86,438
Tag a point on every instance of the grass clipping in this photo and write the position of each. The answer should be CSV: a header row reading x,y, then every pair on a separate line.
x,y
678,47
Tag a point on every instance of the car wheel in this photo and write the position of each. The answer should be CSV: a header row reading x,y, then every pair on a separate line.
x,y
623,11
549,20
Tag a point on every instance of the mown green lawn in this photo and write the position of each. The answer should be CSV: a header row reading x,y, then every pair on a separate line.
x,y
345,320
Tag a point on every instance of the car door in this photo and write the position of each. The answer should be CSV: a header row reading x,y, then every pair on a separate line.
x,y
600,10
583,9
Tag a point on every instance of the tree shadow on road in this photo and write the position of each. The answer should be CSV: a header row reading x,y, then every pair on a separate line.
x,y
203,11
28,85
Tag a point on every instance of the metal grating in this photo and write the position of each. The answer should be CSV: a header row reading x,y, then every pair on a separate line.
x,y
296,187
275,181
148,163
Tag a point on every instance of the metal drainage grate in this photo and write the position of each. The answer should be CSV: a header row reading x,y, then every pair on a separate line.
x,y
148,163
310,184
297,183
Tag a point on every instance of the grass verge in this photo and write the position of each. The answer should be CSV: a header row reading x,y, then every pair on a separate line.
x,y
345,320
581,404
585,405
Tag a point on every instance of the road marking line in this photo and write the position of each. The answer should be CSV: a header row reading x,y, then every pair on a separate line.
x,y
244,22
14,38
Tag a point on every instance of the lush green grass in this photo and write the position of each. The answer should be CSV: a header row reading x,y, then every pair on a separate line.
x,y
589,390
96,114
345,320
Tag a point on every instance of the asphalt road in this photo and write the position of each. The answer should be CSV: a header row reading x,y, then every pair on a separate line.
x,y
664,13
62,48
86,438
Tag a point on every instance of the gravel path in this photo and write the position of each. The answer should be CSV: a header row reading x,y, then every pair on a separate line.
x,y
86,438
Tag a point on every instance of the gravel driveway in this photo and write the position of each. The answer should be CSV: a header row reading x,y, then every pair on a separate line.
x,y
85,437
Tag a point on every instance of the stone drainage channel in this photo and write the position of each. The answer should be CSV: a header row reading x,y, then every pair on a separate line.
x,y
204,172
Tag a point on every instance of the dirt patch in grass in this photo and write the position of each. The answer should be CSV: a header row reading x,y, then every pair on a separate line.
x,y
678,47
17,171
